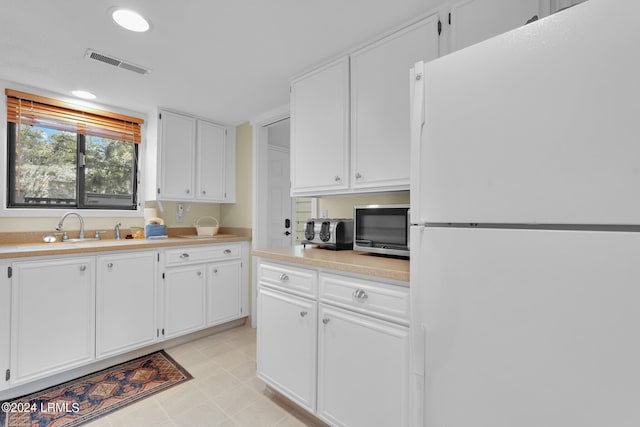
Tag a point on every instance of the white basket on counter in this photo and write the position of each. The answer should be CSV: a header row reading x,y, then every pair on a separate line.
x,y
207,231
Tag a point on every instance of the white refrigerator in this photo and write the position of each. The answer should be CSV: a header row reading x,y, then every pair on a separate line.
x,y
525,239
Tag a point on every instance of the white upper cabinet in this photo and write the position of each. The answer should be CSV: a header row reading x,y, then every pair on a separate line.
x,y
380,105
472,21
350,118
210,161
320,130
177,155
196,160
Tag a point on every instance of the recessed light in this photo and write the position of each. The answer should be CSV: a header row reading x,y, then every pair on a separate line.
x,y
83,94
130,20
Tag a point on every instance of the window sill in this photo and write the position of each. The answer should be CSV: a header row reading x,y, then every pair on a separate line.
x,y
86,213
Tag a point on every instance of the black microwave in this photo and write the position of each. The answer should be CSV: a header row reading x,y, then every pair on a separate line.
x,y
381,229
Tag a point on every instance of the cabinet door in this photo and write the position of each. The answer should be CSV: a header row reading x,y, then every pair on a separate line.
x,y
363,370
224,282
177,156
286,345
380,105
320,130
184,300
5,324
473,21
126,302
210,161
52,317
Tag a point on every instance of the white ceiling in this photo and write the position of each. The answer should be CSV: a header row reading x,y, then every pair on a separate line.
x,y
225,60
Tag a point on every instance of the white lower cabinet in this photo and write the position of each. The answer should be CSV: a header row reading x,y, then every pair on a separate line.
x,y
126,302
52,317
5,325
363,370
184,300
341,349
224,291
203,286
58,313
286,345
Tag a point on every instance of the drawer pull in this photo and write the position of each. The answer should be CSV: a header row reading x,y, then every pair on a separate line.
x,y
303,313
184,256
326,320
284,277
227,251
360,294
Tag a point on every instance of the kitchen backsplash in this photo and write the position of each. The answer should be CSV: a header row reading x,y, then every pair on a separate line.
x,y
342,207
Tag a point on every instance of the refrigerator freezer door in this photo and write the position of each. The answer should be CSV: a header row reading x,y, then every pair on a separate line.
x,y
538,125
528,328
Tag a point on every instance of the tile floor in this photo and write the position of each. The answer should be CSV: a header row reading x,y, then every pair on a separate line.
x,y
223,393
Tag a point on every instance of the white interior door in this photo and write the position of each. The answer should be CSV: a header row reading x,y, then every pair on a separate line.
x,y
280,221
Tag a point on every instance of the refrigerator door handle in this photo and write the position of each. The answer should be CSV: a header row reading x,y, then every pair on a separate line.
x,y
417,123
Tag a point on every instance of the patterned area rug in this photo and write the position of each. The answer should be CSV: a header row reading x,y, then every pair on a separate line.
x,y
84,399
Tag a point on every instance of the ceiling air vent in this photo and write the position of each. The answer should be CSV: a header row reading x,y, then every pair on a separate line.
x,y
111,60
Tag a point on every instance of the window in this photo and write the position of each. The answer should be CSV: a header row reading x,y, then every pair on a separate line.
x,y
62,155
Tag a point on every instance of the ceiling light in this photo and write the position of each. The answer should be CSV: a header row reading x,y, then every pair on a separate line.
x,y
130,20
83,94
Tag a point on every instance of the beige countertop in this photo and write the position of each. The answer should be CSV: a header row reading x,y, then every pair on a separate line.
x,y
349,261
19,250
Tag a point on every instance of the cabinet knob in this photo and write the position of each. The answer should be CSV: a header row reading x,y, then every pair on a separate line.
x,y
188,191
199,273
358,175
360,294
303,313
83,268
227,251
215,271
326,320
184,256
110,265
337,178
204,192
284,277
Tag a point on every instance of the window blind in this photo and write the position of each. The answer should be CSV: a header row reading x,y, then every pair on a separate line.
x,y
25,108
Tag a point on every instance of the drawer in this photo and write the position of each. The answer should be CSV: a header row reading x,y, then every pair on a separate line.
x,y
285,277
385,301
192,255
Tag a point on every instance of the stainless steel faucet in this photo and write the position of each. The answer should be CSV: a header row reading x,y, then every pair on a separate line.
x,y
118,236
59,227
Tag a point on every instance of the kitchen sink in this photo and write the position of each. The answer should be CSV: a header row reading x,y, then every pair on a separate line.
x,y
85,239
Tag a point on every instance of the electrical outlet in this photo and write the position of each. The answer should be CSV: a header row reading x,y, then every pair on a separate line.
x,y
180,213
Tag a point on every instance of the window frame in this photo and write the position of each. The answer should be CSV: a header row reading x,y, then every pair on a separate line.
x,y
86,118
10,203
